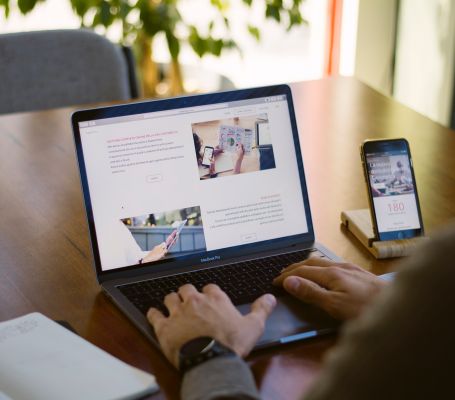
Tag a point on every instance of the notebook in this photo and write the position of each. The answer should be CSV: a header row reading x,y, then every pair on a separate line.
x,y
39,359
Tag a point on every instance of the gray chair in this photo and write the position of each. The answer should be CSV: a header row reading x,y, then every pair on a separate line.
x,y
50,69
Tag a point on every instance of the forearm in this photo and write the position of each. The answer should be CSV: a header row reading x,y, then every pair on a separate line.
x,y
220,378
238,166
399,348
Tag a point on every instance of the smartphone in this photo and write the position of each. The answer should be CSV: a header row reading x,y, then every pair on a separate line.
x,y
392,190
207,157
172,238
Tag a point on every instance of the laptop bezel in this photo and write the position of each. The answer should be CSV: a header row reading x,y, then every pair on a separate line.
x,y
196,259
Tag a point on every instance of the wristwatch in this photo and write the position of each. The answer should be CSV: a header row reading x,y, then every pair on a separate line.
x,y
199,350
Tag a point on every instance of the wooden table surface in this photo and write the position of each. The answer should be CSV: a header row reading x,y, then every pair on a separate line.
x,y
45,260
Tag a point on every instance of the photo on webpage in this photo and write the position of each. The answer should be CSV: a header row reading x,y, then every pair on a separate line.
x,y
164,235
390,175
233,146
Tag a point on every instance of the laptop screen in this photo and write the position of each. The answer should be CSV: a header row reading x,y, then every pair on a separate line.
x,y
190,182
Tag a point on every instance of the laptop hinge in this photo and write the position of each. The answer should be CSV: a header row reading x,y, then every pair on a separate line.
x,y
191,267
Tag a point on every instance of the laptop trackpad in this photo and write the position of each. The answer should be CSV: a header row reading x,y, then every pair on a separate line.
x,y
293,320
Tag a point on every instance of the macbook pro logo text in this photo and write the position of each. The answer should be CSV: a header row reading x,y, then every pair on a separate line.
x,y
207,259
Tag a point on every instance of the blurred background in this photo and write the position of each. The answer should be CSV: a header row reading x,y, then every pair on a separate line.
x,y
403,48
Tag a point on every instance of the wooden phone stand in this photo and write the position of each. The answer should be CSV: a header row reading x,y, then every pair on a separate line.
x,y
358,222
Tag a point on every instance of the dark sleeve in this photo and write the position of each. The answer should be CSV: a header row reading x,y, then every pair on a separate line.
x,y
221,379
403,347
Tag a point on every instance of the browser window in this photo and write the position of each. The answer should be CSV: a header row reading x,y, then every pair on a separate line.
x,y
152,197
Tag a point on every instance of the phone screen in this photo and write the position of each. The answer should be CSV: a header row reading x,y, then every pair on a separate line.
x,y
392,189
172,238
207,157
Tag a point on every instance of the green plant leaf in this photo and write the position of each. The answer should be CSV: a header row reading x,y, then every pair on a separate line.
x,y
215,46
208,45
278,4
295,16
273,11
102,15
254,31
231,44
124,10
5,4
106,18
25,6
150,19
196,42
173,45
163,16
81,7
222,5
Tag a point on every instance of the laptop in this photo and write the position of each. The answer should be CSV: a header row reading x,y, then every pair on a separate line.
x,y
156,224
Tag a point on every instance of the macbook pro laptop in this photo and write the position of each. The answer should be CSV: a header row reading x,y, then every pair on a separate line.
x,y
156,224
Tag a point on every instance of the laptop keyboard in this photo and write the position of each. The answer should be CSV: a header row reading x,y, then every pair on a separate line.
x,y
243,282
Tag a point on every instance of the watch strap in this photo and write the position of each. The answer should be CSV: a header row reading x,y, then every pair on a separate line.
x,y
189,361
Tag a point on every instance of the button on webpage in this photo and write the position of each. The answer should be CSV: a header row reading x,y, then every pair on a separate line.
x,y
154,178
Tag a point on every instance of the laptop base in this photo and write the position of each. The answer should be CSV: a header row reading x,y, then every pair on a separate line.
x,y
291,320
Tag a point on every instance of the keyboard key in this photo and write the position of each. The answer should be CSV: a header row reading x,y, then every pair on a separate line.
x,y
243,281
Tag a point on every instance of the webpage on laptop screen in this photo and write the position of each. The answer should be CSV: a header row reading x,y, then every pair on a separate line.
x,y
152,197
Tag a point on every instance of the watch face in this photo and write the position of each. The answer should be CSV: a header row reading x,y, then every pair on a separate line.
x,y
196,346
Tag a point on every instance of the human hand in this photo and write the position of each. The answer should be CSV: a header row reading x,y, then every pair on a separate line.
x,y
211,313
157,253
240,151
217,150
341,289
212,170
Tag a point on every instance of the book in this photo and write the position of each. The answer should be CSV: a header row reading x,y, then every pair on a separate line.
x,y
42,360
359,223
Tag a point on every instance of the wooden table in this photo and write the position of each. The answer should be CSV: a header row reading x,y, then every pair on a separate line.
x,y
45,261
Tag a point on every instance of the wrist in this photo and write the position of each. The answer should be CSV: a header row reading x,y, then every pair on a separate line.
x,y
200,350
